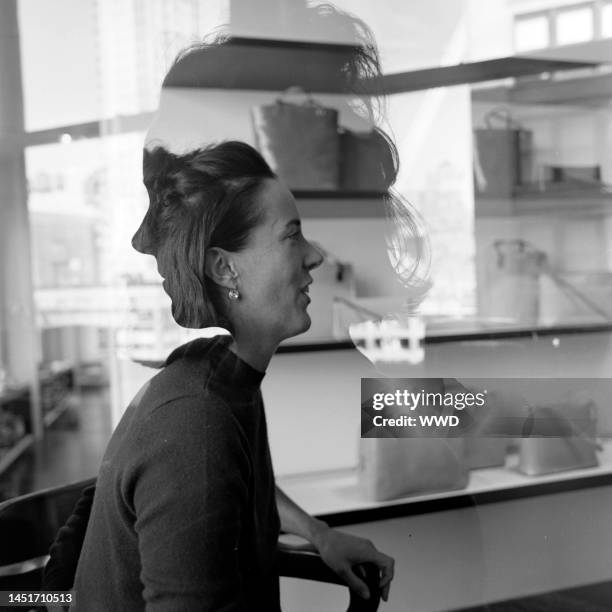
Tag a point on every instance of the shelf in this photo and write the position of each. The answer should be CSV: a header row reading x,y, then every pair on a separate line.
x,y
12,394
336,496
592,200
458,333
468,332
472,72
598,51
253,64
591,91
7,457
304,347
566,190
340,205
109,127
340,194
55,413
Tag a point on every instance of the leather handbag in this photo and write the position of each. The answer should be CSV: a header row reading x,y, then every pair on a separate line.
x,y
398,467
503,155
365,161
575,445
299,141
391,467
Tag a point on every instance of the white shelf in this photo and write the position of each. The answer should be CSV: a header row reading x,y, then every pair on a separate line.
x,y
339,491
7,458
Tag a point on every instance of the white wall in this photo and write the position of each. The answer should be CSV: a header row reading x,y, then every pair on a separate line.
x,y
459,558
313,401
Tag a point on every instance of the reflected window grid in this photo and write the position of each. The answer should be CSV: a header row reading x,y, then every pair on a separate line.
x,y
606,19
532,32
574,25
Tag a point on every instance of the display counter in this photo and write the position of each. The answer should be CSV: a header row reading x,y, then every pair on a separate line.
x,y
470,329
504,537
336,495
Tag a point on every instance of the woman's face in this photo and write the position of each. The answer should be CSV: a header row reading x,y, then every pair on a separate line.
x,y
273,270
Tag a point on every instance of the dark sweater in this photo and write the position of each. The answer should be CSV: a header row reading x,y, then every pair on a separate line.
x,y
184,514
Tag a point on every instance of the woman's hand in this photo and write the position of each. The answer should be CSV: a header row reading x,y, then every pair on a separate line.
x,y
341,551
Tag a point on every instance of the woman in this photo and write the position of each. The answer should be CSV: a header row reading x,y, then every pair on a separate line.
x,y
186,514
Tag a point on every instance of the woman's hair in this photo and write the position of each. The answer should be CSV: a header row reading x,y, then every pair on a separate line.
x,y
202,199
217,184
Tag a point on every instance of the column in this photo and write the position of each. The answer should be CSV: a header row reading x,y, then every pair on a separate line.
x,y
19,339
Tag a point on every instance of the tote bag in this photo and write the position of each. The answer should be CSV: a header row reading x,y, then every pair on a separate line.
x,y
391,467
398,467
299,141
575,446
365,161
503,157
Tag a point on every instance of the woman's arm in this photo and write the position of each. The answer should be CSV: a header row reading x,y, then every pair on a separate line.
x,y
189,499
65,550
340,551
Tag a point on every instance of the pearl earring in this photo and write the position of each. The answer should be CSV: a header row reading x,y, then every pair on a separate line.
x,y
233,294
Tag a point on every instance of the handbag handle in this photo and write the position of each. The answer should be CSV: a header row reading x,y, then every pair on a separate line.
x,y
503,114
296,90
553,413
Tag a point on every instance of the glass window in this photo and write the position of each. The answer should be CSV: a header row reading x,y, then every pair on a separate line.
x,y
606,19
95,296
531,33
574,25
114,58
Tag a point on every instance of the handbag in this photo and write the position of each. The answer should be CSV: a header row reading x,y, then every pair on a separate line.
x,y
574,447
391,467
397,467
366,163
503,155
299,141
511,290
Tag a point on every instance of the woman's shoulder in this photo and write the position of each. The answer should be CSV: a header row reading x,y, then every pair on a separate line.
x,y
185,406
184,374
194,425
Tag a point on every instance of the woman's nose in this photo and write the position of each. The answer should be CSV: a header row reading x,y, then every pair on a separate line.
x,y
142,240
314,257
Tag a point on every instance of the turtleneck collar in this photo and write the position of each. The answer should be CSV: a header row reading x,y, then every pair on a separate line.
x,y
227,368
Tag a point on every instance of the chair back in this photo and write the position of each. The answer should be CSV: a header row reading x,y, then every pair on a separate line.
x,y
30,523
28,526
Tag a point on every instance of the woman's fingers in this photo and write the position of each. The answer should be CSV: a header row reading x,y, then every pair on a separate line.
x,y
355,583
345,553
387,567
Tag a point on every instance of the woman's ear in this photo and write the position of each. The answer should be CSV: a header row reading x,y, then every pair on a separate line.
x,y
220,268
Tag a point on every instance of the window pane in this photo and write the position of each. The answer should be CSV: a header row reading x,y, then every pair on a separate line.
x,y
85,197
531,33
108,58
85,200
575,25
606,19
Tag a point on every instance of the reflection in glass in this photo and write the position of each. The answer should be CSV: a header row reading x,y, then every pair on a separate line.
x,y
606,19
574,25
531,33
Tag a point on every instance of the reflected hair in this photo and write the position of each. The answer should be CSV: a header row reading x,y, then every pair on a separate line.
x,y
359,74
408,246
202,199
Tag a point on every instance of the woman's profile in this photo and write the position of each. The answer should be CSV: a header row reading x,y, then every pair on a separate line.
x,y
186,514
